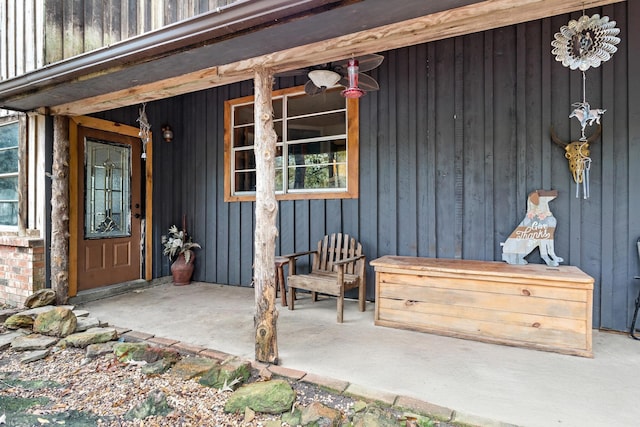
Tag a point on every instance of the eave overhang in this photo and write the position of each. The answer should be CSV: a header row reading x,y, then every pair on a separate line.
x,y
225,46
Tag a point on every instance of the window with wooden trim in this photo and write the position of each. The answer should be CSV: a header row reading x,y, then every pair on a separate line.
x,y
9,168
316,152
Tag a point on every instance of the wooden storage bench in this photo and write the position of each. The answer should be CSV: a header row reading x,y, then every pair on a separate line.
x,y
534,306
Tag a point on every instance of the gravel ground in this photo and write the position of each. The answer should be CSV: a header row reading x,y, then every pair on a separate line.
x,y
105,390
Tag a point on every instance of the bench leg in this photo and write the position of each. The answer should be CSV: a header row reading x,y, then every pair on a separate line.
x,y
283,290
341,305
292,297
361,297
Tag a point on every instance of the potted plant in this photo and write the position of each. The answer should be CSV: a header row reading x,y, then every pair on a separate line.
x,y
178,246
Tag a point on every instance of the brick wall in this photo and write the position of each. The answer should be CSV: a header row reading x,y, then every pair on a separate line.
x,y
22,268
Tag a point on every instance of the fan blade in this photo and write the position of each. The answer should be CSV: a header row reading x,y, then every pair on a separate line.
x,y
365,82
369,62
365,63
311,89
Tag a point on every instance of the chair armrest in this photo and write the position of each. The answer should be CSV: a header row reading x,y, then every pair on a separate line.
x,y
348,260
292,260
298,254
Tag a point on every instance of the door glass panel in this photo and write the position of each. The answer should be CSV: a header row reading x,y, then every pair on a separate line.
x,y
107,189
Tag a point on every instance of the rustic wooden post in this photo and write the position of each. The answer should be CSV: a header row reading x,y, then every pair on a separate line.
x,y
266,315
60,210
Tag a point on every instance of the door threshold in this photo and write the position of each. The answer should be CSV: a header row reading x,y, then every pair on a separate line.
x,y
110,291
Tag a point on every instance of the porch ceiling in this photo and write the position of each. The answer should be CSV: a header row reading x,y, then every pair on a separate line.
x,y
221,48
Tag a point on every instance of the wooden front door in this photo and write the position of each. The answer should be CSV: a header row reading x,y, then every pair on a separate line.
x,y
109,203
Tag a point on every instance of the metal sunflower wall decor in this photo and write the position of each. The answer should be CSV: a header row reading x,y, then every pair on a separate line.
x,y
580,45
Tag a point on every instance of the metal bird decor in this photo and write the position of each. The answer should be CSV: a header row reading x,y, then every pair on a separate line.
x,y
583,44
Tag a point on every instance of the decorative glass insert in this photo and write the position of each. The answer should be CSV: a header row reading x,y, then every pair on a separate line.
x,y
107,189
9,162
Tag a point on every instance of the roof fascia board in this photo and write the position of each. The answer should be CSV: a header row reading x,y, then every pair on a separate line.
x,y
229,20
436,26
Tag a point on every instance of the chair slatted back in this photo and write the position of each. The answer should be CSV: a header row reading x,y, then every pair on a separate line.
x,y
336,247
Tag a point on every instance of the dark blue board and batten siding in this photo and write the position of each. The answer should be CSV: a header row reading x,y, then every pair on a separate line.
x,y
450,146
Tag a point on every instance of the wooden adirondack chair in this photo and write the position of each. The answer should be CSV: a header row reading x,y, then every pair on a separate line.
x,y
338,266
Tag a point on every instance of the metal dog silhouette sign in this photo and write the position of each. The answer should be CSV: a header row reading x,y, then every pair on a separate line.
x,y
536,230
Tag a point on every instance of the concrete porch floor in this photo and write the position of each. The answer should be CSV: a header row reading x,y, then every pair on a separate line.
x,y
490,384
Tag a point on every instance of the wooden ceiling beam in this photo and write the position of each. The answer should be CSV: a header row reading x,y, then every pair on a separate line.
x,y
474,18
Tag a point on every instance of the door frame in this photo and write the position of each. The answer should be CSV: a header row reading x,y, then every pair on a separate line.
x,y
75,162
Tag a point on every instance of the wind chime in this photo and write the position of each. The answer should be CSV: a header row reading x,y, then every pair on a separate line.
x,y
145,127
580,45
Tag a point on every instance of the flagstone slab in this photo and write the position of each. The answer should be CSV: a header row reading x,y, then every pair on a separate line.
x,y
33,342
7,338
81,313
44,309
91,336
32,356
84,323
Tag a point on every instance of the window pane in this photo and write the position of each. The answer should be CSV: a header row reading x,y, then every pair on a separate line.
x,y
245,181
9,213
277,108
9,200
9,135
243,115
245,159
317,126
9,160
9,189
318,165
243,136
303,104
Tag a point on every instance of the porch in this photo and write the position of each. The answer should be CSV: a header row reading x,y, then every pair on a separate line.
x,y
485,384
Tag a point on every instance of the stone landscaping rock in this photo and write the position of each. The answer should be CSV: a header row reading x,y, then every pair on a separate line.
x,y
7,338
271,397
32,356
33,312
40,298
374,416
58,322
292,418
232,374
191,367
81,313
155,404
318,414
8,312
18,321
33,342
127,351
157,368
91,336
98,349
84,323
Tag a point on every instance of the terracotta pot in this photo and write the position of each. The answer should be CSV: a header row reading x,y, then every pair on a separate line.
x,y
182,271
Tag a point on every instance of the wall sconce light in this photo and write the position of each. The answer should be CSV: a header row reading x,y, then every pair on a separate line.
x,y
167,133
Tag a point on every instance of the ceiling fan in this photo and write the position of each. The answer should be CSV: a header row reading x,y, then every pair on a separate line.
x,y
348,72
